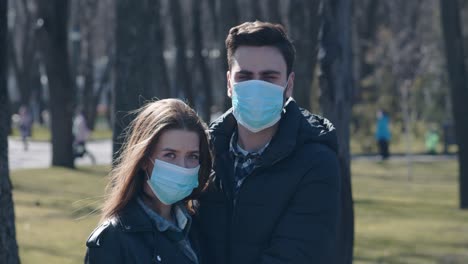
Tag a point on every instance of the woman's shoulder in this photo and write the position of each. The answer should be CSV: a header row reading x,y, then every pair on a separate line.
x,y
104,244
105,233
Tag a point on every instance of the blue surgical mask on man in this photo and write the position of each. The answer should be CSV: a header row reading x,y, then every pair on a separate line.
x,y
171,183
257,104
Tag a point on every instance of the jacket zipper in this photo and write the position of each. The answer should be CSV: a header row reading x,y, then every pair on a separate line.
x,y
234,207
235,200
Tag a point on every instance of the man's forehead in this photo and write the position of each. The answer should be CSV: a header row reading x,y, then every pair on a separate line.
x,y
258,59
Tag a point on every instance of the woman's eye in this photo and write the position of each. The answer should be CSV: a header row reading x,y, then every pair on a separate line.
x,y
195,157
170,155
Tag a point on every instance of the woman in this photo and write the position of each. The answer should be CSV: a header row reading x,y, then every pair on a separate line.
x,y
164,164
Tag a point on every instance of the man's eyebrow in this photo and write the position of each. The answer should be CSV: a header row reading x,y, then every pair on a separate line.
x,y
270,72
246,72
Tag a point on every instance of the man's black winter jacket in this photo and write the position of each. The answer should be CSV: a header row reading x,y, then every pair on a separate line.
x,y
287,210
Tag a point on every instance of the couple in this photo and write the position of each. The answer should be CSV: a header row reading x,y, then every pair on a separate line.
x,y
274,195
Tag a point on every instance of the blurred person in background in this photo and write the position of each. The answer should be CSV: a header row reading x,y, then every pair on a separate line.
x,y
81,134
432,140
25,124
383,134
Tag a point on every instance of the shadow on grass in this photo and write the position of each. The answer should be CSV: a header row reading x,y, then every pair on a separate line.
x,y
50,251
397,209
423,258
397,251
19,187
95,171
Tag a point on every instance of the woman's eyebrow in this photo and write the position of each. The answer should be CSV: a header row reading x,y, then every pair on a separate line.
x,y
169,149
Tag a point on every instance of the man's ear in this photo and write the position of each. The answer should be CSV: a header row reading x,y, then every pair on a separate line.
x,y
290,85
229,84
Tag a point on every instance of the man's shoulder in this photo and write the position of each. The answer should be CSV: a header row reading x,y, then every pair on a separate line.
x,y
314,150
316,159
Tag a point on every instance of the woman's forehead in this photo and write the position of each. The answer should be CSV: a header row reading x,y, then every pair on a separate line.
x,y
178,140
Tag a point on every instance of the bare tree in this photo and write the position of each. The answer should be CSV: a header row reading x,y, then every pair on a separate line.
x,y
87,11
200,64
273,14
8,245
304,24
457,71
53,41
336,83
213,15
228,17
23,49
256,8
366,23
161,77
136,28
182,78
96,53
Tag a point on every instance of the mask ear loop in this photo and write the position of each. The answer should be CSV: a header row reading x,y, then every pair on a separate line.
x,y
147,175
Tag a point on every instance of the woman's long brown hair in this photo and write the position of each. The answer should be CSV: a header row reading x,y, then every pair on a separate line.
x,y
144,131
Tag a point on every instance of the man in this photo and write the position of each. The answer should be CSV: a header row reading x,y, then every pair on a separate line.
x,y
275,195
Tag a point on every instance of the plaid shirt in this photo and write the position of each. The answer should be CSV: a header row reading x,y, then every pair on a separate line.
x,y
244,162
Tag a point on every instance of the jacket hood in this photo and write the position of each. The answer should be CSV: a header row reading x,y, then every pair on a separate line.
x,y
297,127
317,129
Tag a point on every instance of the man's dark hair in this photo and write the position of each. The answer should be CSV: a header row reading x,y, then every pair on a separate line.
x,y
260,34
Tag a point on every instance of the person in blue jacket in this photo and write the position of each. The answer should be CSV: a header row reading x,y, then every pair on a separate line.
x,y
147,215
383,134
275,197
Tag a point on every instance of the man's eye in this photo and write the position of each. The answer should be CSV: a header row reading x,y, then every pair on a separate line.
x,y
243,77
270,78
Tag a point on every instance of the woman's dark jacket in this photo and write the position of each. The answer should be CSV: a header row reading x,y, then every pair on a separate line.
x,y
132,238
287,210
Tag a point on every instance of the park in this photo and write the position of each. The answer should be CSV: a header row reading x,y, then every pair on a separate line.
x,y
387,79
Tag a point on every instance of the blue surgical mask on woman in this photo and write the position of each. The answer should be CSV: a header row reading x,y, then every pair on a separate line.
x,y
171,183
257,104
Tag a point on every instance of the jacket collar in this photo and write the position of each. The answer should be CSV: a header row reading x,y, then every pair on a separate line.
x,y
134,219
281,145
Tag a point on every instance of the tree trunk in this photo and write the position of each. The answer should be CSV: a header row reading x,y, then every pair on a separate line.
x,y
213,17
228,18
161,77
135,44
24,54
94,100
88,11
367,24
457,71
255,7
54,41
8,245
182,80
336,83
200,64
274,15
304,16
